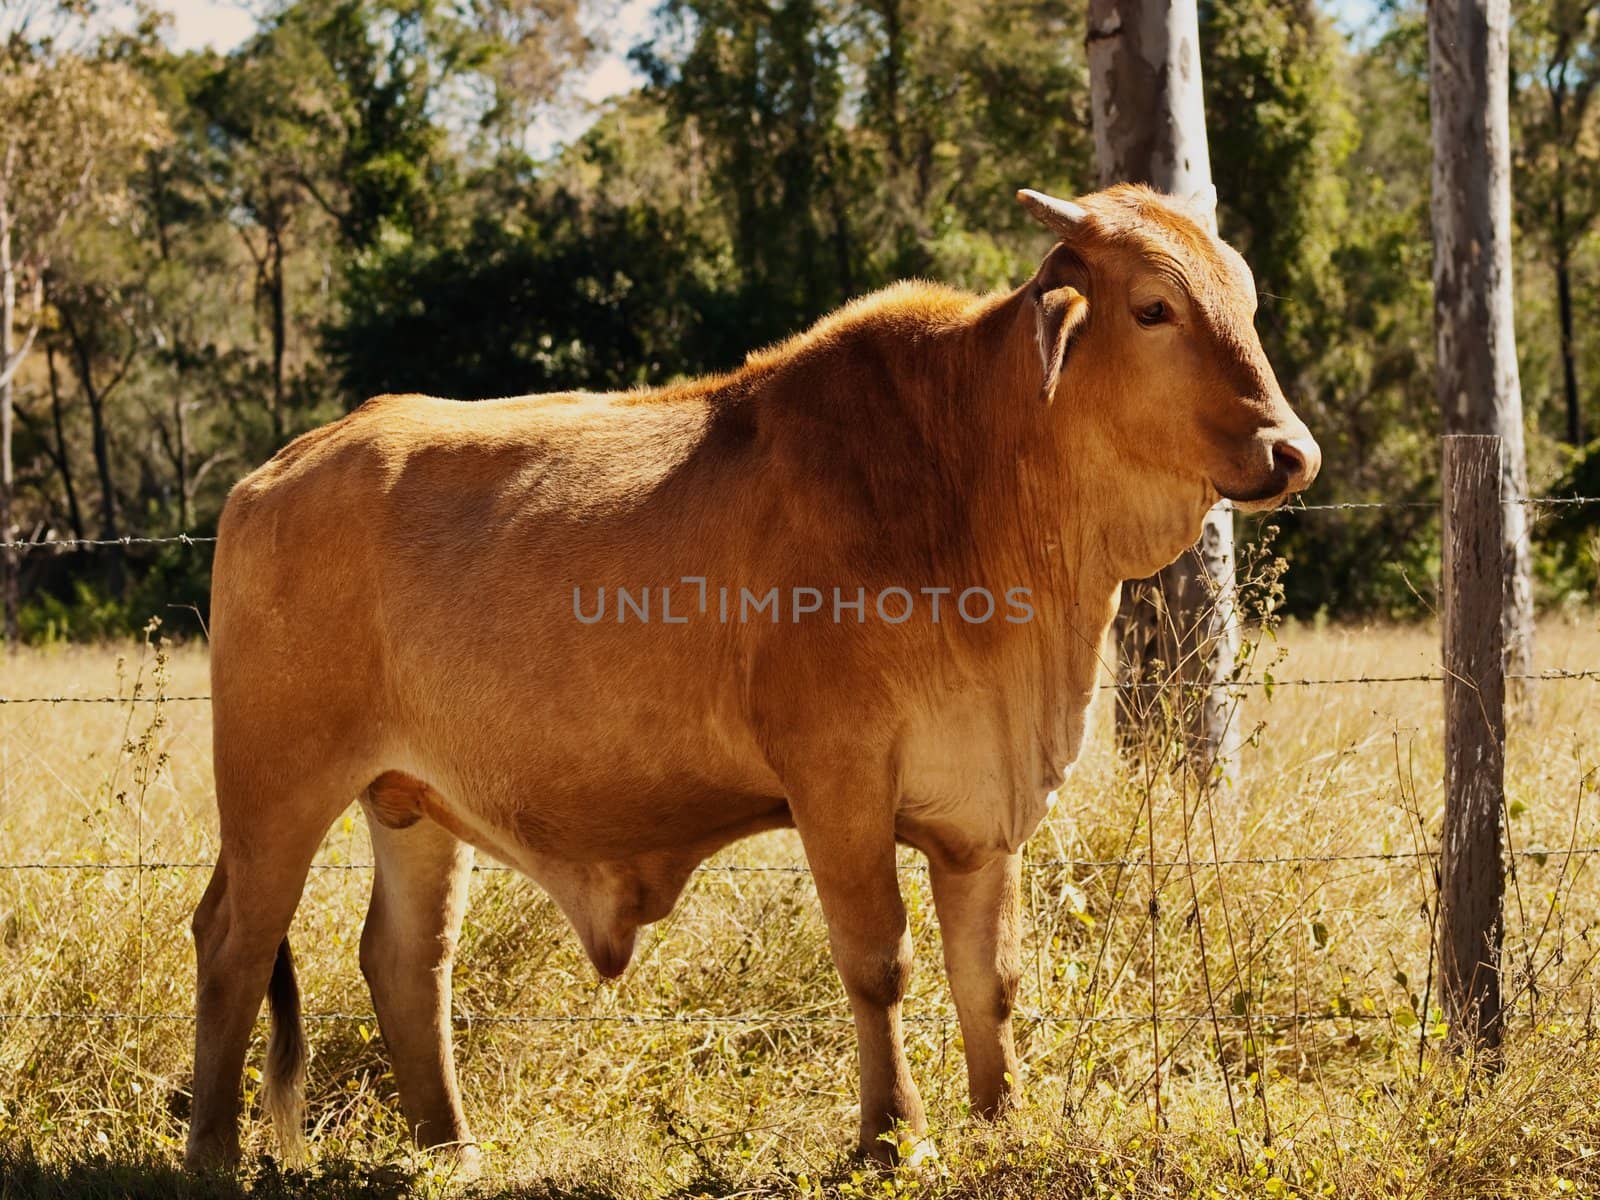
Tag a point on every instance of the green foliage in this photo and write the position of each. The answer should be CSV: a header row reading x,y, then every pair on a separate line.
x,y
85,615
1280,128
568,297
344,93
1322,161
104,598
849,144
1568,536
1556,60
764,86
75,127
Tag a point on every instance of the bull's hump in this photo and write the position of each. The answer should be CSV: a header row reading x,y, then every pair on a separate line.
x,y
909,309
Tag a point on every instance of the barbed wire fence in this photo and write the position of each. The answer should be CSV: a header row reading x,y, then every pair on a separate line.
x,y
1430,859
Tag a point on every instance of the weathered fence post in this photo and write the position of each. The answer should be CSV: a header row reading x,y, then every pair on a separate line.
x,y
1471,879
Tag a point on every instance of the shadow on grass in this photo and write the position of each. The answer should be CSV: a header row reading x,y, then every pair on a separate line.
x,y
23,1176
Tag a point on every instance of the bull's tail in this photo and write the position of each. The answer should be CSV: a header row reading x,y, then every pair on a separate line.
x,y
283,1093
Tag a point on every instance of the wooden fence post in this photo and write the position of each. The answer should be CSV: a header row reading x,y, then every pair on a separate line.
x,y
1472,880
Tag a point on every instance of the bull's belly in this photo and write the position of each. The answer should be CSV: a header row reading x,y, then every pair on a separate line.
x,y
535,808
613,860
578,744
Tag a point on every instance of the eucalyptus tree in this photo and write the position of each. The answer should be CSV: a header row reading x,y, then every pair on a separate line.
x,y
71,129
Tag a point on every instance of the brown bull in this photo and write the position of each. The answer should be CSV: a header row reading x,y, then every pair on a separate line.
x,y
858,586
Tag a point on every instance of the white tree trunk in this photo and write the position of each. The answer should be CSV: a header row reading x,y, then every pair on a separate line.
x,y
1149,127
1474,336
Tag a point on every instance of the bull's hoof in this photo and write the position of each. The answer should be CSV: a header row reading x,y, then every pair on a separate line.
x,y
900,1148
452,1162
996,1108
457,1162
211,1155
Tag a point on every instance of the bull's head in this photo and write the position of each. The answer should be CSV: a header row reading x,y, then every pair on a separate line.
x,y
1148,317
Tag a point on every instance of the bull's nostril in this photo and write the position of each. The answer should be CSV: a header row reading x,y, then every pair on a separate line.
x,y
1298,460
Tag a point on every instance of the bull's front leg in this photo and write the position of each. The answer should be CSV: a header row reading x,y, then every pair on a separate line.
x,y
849,840
979,922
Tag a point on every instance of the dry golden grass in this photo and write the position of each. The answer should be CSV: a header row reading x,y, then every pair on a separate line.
x,y
1289,1058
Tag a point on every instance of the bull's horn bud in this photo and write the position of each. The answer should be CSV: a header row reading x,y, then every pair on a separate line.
x,y
1063,216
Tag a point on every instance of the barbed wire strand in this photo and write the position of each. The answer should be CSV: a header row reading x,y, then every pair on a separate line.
x,y
177,539
104,699
644,1019
1360,505
195,539
1553,675
1535,854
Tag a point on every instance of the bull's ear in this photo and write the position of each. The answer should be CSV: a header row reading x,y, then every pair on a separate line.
x,y
1061,309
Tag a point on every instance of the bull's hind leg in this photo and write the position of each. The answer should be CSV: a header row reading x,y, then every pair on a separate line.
x,y
239,927
419,896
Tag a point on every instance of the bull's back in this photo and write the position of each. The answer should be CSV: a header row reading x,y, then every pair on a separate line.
x,y
409,497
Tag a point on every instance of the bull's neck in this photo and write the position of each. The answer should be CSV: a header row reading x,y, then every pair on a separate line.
x,y
1042,505
1031,517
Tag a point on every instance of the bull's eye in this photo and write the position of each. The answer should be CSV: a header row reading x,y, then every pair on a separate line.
x,y
1152,314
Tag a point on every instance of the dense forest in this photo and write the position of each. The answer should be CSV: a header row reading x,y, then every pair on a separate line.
x,y
205,254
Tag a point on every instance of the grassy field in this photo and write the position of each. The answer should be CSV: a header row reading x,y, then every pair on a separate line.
x,y
1294,1055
